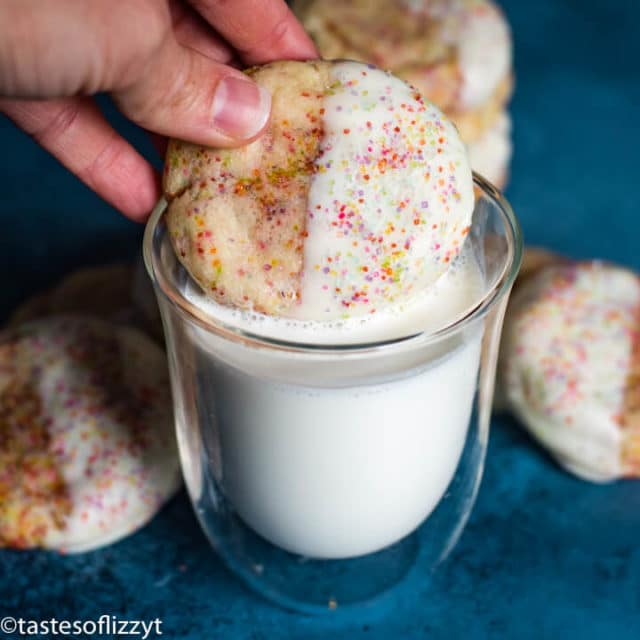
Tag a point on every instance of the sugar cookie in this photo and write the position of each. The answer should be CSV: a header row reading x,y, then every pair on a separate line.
x,y
87,451
358,196
570,366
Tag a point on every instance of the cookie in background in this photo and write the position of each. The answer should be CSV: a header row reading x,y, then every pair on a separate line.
x,y
570,361
118,292
457,53
87,450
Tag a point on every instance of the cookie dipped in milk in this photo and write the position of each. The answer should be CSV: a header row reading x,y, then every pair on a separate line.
x,y
325,398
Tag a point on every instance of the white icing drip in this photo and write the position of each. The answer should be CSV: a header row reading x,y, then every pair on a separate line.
x,y
591,450
484,50
373,118
114,489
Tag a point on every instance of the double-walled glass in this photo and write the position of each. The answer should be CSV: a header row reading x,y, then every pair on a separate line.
x,y
324,476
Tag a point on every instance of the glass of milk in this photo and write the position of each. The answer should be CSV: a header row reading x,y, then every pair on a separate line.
x,y
327,462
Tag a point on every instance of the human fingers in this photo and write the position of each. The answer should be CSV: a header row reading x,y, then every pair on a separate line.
x,y
75,47
77,134
193,31
260,30
184,94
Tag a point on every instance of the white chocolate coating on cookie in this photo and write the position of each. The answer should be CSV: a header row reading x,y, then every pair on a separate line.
x,y
465,44
479,33
101,394
567,354
484,50
390,203
376,209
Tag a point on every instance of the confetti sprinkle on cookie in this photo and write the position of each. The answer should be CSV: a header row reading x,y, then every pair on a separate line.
x,y
570,359
358,196
456,52
87,452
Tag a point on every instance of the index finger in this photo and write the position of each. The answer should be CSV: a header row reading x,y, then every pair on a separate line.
x,y
260,30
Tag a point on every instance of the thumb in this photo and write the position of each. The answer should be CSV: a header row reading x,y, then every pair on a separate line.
x,y
184,94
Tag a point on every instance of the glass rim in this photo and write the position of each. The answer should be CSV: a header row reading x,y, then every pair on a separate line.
x,y
496,292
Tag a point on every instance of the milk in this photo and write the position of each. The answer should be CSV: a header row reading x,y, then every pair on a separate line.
x,y
338,455
338,451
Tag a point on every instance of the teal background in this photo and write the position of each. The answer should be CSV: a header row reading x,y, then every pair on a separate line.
x,y
545,555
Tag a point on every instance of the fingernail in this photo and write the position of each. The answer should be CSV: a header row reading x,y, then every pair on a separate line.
x,y
240,108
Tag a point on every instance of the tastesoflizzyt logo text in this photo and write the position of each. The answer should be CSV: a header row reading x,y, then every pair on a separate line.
x,y
105,625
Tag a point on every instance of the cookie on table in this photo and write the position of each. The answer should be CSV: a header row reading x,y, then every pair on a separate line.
x,y
87,450
534,259
103,291
570,366
358,195
118,292
457,53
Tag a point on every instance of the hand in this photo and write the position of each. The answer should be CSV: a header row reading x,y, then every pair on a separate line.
x,y
165,63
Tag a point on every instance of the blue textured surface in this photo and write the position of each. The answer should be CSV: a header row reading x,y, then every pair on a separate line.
x,y
545,555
